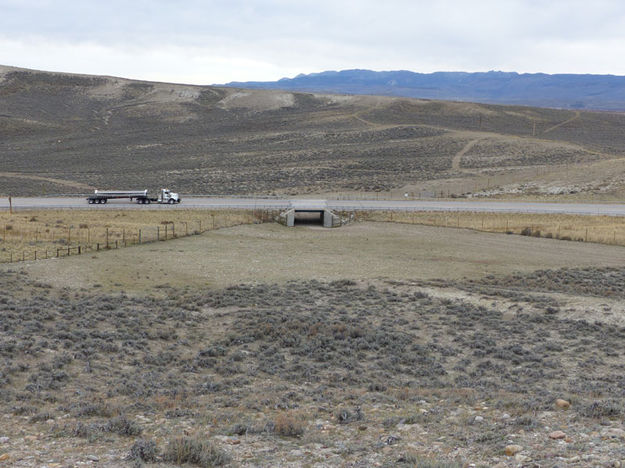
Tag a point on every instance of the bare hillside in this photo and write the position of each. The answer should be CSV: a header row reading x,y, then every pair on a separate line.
x,y
62,133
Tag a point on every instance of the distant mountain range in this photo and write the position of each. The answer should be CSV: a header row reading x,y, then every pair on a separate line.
x,y
566,91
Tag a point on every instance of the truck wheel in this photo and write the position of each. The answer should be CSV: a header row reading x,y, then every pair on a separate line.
x,y
171,201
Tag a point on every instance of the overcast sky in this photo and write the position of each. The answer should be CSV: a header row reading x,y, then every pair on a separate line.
x,y
217,41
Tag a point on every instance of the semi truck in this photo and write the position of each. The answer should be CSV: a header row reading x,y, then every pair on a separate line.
x,y
141,196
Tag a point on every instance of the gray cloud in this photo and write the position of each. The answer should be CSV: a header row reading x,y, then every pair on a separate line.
x,y
216,41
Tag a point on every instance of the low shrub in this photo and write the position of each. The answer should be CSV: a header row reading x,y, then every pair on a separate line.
x,y
123,426
143,450
602,409
345,416
197,452
409,459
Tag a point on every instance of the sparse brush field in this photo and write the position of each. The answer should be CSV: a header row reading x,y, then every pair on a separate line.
x,y
32,235
487,368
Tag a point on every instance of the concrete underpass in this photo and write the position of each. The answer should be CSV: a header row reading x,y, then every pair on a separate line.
x,y
309,212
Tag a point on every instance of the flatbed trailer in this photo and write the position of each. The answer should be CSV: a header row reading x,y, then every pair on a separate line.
x,y
141,196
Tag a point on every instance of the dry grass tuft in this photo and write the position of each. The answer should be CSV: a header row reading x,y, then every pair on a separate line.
x,y
289,424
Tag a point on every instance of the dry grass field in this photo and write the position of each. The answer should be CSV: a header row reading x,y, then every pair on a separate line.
x,y
377,344
272,253
64,133
599,229
41,234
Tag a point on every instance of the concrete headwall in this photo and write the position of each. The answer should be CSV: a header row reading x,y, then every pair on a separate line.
x,y
287,218
331,220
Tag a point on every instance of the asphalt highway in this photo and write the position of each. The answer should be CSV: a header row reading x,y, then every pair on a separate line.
x,y
348,205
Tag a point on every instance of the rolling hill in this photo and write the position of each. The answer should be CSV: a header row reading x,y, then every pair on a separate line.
x,y
64,133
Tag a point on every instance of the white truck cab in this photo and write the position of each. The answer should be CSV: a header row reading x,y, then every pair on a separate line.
x,y
167,196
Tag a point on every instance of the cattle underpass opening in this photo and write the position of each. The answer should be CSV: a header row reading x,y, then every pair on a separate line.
x,y
309,212
308,218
